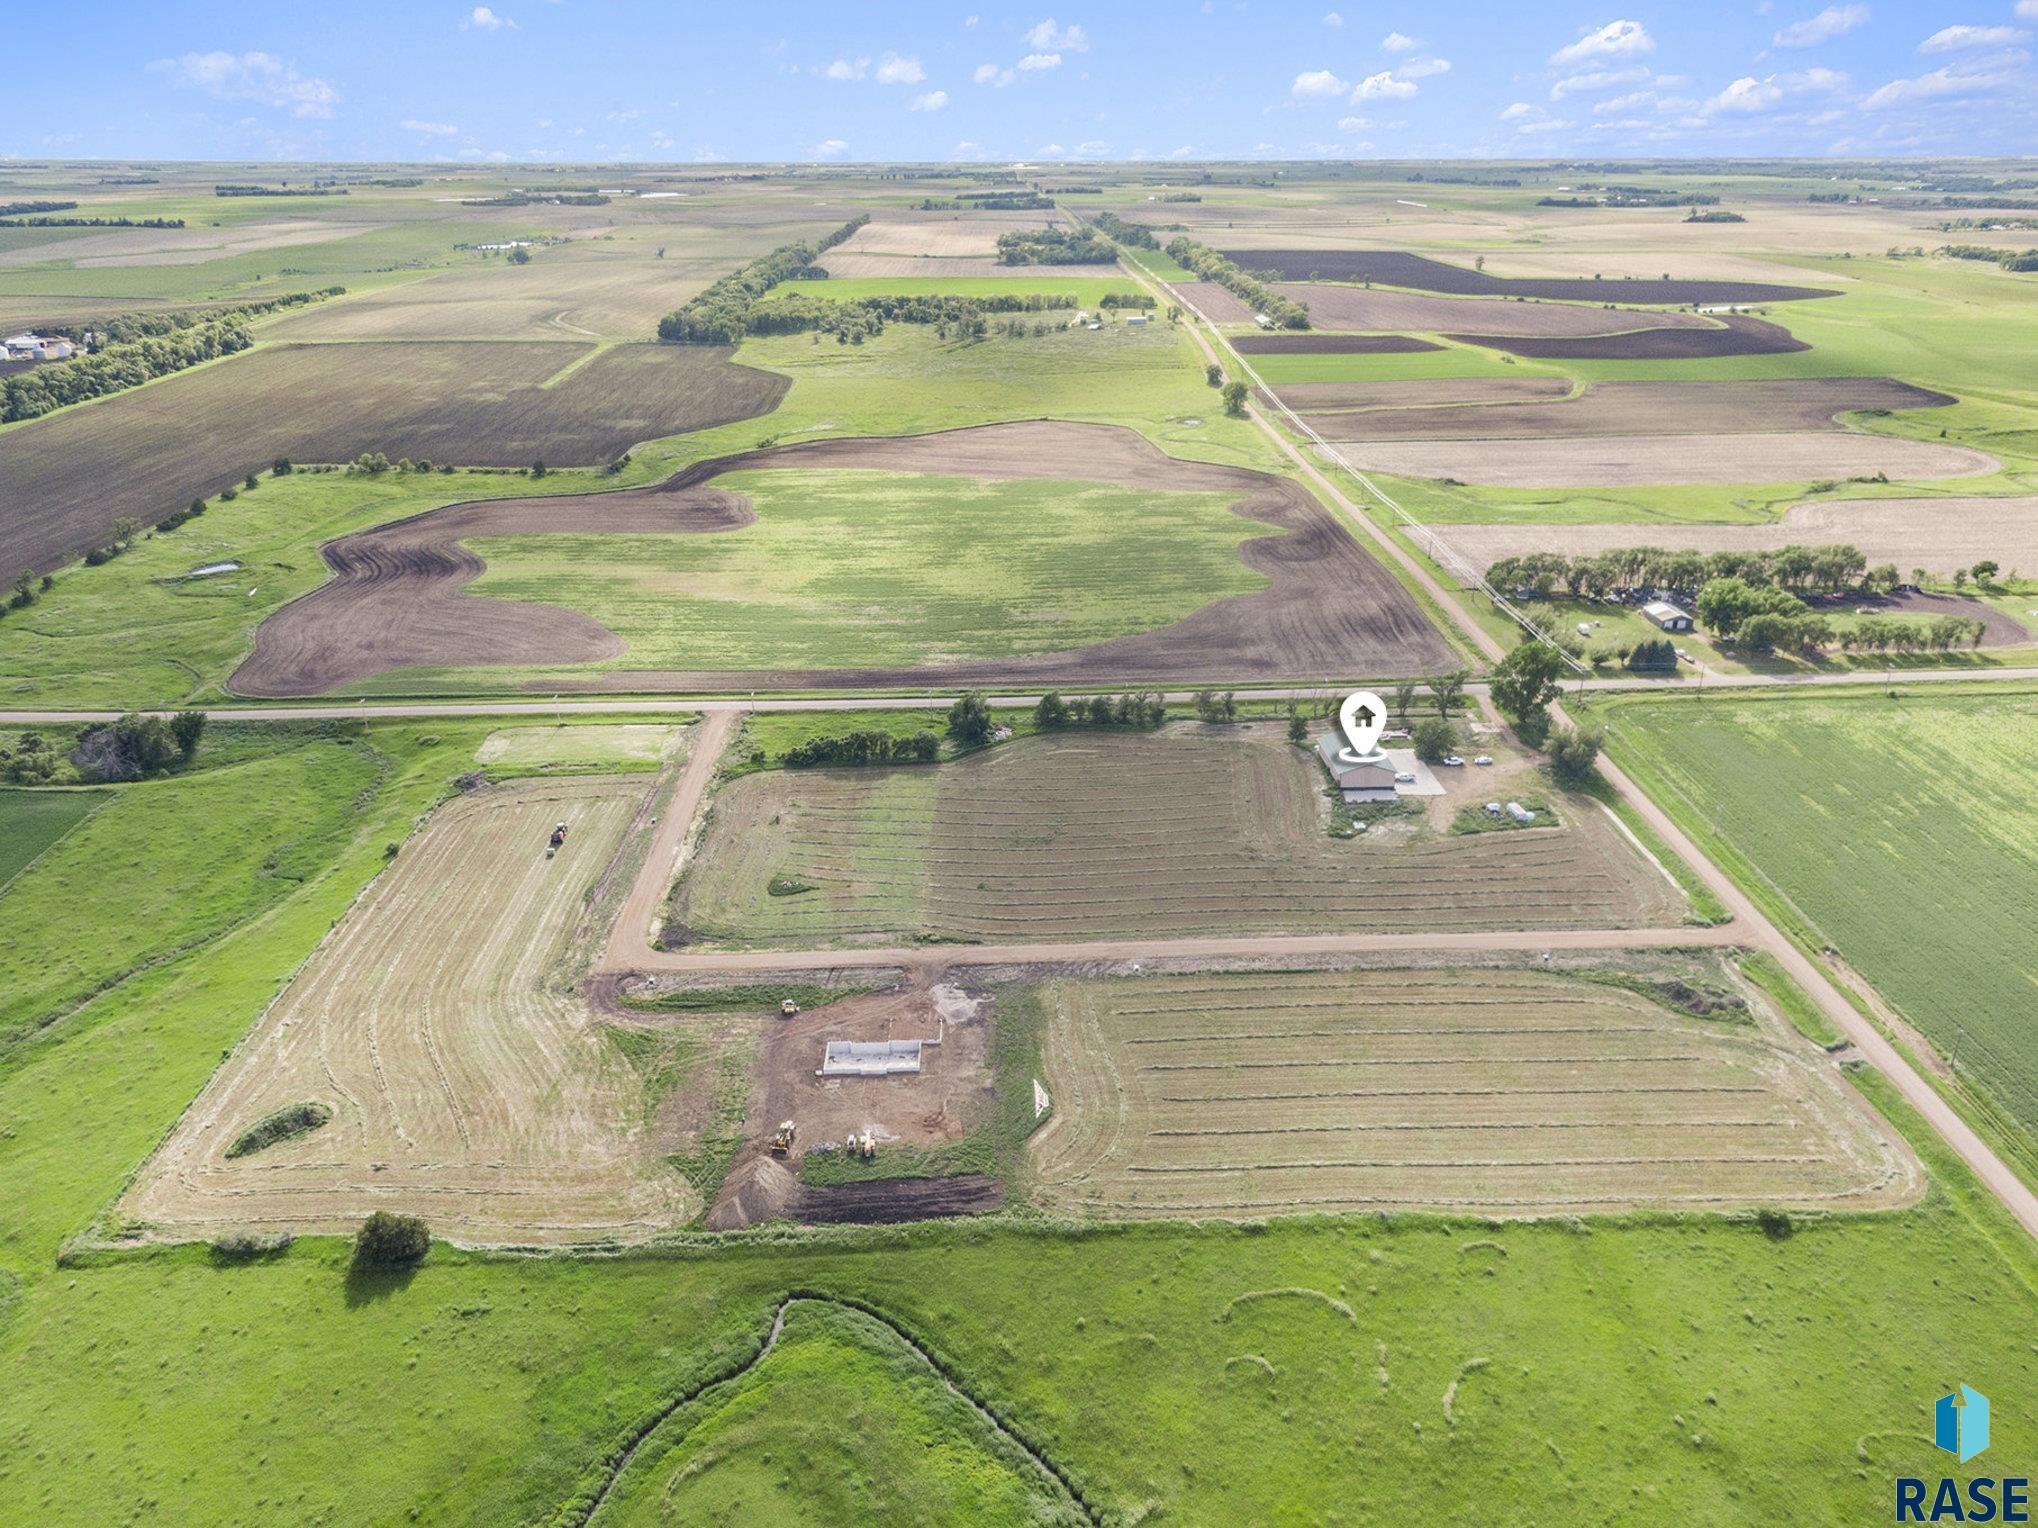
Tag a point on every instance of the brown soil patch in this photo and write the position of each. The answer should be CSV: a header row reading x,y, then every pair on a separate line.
x,y
66,478
467,1081
893,1200
395,599
948,267
1938,535
1634,460
1737,334
1330,344
1644,408
1425,392
1401,269
1342,307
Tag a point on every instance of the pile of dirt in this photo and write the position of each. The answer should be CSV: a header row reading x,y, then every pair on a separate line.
x,y
890,1200
755,1191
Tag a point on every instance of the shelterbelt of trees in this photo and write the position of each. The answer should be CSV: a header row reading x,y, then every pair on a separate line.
x,y
721,315
135,348
1208,264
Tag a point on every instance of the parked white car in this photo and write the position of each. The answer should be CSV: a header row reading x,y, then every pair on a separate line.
x,y
1484,758
1454,761
1404,777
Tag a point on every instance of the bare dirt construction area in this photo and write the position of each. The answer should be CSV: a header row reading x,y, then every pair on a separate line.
x,y
1643,408
1096,835
464,1078
1497,1090
396,602
952,1094
1938,535
66,478
1331,344
1343,307
1401,269
1735,334
1635,460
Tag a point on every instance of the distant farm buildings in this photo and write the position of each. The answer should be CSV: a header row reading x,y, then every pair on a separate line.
x,y
37,347
1667,615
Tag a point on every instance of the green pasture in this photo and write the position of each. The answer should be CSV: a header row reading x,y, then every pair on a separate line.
x,y
32,820
868,568
1899,831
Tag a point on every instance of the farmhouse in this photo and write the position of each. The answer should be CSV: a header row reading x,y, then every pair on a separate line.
x,y
1367,780
1667,615
37,347
870,1058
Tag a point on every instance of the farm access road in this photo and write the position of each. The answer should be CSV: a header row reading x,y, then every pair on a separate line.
x,y
1756,931
848,701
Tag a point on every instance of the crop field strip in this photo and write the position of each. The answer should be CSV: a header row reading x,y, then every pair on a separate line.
x,y
1638,460
1336,307
67,477
1503,1090
1099,836
1399,268
465,1083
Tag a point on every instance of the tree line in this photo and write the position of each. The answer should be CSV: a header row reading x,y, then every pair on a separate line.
x,y
865,746
1143,709
861,318
63,222
246,190
138,348
1766,618
1054,246
721,315
1138,235
1209,265
1628,570
19,209
134,747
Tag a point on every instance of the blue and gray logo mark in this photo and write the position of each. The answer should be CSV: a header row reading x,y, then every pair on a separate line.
x,y
1960,1423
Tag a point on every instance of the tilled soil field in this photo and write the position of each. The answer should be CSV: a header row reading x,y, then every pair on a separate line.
x,y
1102,835
396,602
1342,307
1636,460
1401,269
1938,535
465,1080
1642,408
66,478
1495,1091
1737,334
1331,344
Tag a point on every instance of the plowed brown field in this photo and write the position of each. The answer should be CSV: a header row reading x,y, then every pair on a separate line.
x,y
1499,1090
465,1079
1634,460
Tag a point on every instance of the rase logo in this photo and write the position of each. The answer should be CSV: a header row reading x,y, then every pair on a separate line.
x,y
1960,1426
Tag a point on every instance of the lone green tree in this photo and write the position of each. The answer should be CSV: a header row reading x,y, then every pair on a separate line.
x,y
1573,752
969,719
391,1241
1052,711
1524,683
1234,398
1298,730
1447,688
1432,739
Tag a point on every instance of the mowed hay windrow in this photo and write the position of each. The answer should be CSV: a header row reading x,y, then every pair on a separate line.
x,y
1497,1090
1096,835
465,1081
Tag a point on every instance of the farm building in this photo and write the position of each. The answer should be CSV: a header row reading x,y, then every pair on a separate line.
x,y
870,1058
37,347
1667,615
1366,780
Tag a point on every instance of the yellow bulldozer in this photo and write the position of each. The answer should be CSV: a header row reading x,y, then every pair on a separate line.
x,y
782,1141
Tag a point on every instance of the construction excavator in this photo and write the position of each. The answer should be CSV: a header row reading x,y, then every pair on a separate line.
x,y
782,1142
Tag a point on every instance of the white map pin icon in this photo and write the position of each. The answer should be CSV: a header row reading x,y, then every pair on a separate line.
x,y
1362,718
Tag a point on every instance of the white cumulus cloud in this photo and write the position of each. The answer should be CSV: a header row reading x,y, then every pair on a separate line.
x,y
1333,19
482,19
1317,83
1383,87
1957,39
1946,81
1596,79
1423,68
430,129
1833,21
847,69
1517,111
1033,63
991,74
1617,39
1353,124
830,148
1047,37
933,100
259,77
1397,42
894,70
1748,94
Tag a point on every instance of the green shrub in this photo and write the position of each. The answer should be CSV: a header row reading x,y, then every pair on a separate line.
x,y
391,1241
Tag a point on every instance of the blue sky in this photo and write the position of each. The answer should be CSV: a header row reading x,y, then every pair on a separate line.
x,y
567,80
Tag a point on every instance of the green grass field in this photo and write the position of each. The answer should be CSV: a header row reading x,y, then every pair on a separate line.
x,y
1899,831
32,820
852,568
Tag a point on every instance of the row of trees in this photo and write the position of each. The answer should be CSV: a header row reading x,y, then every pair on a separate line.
x,y
1138,235
865,317
1136,708
721,314
135,349
1626,570
132,748
864,747
1210,265
67,222
1054,246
